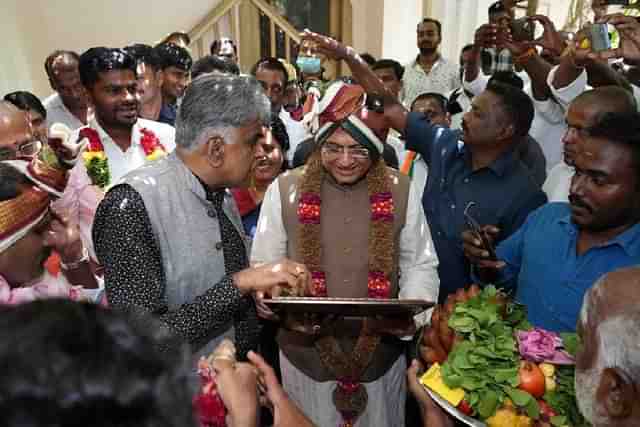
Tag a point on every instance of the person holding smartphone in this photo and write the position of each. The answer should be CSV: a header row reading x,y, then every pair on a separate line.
x,y
563,248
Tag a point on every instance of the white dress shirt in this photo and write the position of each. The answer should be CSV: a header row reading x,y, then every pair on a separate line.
x,y
566,95
465,104
81,198
417,261
123,162
57,112
443,78
558,183
296,132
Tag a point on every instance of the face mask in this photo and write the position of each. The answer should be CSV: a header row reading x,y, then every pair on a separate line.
x,y
308,64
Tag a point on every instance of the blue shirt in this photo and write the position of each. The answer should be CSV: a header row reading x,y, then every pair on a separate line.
x,y
504,193
250,222
168,114
551,278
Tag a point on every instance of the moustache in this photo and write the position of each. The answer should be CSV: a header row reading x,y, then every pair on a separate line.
x,y
579,203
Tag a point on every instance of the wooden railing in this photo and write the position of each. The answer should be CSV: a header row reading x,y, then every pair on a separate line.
x,y
225,21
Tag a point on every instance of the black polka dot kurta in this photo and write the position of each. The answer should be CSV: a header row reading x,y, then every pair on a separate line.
x,y
135,280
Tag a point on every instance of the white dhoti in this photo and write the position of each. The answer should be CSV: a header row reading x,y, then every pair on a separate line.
x,y
386,396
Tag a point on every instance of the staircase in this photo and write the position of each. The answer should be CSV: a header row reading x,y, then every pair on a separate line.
x,y
244,21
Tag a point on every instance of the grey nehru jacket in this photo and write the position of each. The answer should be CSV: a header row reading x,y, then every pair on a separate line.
x,y
187,233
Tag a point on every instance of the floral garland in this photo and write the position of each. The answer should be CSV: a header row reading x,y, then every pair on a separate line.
x,y
97,163
350,397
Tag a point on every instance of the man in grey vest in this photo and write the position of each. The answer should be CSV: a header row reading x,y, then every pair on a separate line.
x,y
169,234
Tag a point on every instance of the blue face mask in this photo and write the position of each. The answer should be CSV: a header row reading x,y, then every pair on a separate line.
x,y
309,64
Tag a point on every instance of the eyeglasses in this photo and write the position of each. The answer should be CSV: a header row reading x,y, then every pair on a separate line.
x,y
27,149
334,151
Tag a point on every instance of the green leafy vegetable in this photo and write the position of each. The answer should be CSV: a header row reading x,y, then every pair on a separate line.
x,y
563,399
570,342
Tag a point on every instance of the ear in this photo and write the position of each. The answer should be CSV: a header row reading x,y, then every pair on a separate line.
x,y
615,393
160,78
447,118
89,92
215,151
507,132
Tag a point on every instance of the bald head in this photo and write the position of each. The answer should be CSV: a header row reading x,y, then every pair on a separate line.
x,y
60,60
14,130
607,99
62,68
608,363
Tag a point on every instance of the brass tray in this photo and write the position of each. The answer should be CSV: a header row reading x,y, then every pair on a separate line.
x,y
356,307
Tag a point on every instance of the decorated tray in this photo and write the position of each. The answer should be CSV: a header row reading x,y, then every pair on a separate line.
x,y
357,307
467,420
487,366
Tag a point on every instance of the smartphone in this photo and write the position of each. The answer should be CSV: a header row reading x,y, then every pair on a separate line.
x,y
523,30
617,2
599,37
474,226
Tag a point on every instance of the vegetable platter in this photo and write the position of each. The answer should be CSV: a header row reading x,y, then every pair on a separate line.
x,y
489,366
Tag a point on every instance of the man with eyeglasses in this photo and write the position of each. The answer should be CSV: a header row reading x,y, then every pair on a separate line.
x,y
16,136
29,231
273,76
360,229
486,170
582,114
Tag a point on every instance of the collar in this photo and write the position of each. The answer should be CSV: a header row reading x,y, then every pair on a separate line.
x,y
436,64
499,166
105,137
191,181
628,240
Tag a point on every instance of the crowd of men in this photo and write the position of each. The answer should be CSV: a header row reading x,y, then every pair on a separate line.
x,y
169,198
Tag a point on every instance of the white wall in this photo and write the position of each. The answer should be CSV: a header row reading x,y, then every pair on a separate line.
x,y
401,19
45,25
15,72
368,23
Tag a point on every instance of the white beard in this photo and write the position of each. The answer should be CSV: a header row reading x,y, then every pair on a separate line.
x,y
586,384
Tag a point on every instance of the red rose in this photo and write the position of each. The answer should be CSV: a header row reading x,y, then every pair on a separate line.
x,y
210,410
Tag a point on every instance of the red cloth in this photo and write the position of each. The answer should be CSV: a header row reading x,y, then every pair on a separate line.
x,y
244,201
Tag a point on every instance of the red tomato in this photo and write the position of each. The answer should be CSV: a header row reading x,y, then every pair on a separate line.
x,y
465,408
531,379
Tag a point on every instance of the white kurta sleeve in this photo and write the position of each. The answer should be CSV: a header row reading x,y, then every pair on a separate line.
x,y
551,111
418,261
636,93
477,86
566,95
270,242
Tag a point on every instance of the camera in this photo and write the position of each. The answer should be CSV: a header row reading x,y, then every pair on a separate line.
x,y
617,2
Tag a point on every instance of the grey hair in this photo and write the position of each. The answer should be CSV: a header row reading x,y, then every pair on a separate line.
x,y
618,335
215,104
